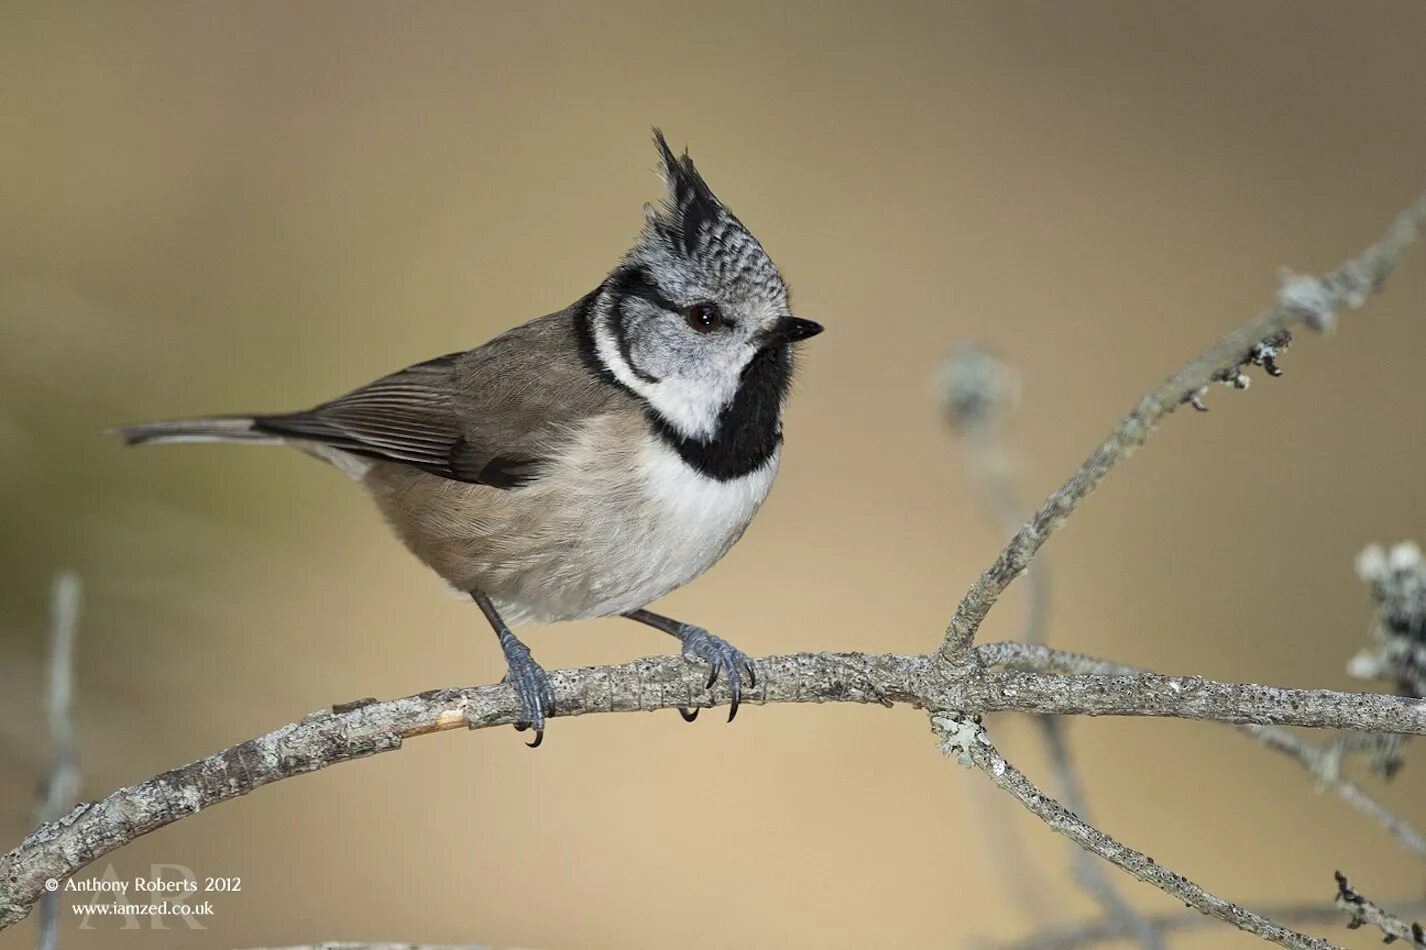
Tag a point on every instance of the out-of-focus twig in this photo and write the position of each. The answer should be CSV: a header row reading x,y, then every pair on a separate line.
x,y
61,787
967,740
978,393
1323,762
1366,913
1301,300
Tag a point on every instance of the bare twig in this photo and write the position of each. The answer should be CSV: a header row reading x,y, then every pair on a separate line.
x,y
1365,912
61,788
970,743
1308,300
58,849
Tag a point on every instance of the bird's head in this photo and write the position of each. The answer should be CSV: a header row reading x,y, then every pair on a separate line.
x,y
697,311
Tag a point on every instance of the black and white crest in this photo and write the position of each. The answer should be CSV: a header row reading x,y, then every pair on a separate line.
x,y
694,223
691,211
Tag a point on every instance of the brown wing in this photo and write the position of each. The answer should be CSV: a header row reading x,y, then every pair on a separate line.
x,y
491,415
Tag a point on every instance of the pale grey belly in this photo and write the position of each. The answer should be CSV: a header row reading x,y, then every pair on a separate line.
x,y
571,546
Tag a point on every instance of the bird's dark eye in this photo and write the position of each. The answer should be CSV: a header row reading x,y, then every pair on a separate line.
x,y
705,317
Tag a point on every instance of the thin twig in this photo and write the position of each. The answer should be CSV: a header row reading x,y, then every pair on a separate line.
x,y
1301,300
973,744
1365,912
351,731
61,788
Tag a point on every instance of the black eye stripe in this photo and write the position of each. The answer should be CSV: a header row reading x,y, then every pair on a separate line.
x,y
636,282
621,340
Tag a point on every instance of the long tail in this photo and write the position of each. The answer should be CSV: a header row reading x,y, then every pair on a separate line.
x,y
221,429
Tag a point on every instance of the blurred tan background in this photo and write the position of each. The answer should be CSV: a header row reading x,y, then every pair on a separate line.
x,y
223,207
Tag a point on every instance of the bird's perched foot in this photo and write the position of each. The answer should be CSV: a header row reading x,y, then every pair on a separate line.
x,y
719,654
531,682
532,686
721,657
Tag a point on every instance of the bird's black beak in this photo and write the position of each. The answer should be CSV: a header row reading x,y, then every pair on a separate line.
x,y
793,329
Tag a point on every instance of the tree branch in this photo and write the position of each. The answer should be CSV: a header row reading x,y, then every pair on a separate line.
x,y
1308,300
352,731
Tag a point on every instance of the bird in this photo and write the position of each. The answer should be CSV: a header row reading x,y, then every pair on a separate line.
x,y
590,461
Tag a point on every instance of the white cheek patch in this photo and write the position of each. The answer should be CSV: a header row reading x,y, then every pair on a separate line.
x,y
691,406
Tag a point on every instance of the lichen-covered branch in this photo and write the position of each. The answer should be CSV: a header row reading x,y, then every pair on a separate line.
x,y
1301,300
1370,914
355,730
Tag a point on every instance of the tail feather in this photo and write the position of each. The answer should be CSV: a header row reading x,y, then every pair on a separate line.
x,y
222,429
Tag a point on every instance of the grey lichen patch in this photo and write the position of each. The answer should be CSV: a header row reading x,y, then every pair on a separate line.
x,y
959,735
1396,581
1313,299
1264,353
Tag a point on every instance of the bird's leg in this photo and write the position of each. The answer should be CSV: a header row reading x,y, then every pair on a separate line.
x,y
532,684
719,654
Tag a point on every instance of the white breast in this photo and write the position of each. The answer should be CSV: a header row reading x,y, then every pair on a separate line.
x,y
703,514
687,522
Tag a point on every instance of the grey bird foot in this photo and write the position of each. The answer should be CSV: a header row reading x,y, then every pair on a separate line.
x,y
532,687
721,656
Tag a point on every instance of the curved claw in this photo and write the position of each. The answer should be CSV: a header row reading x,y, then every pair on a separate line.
x,y
689,713
721,657
533,689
